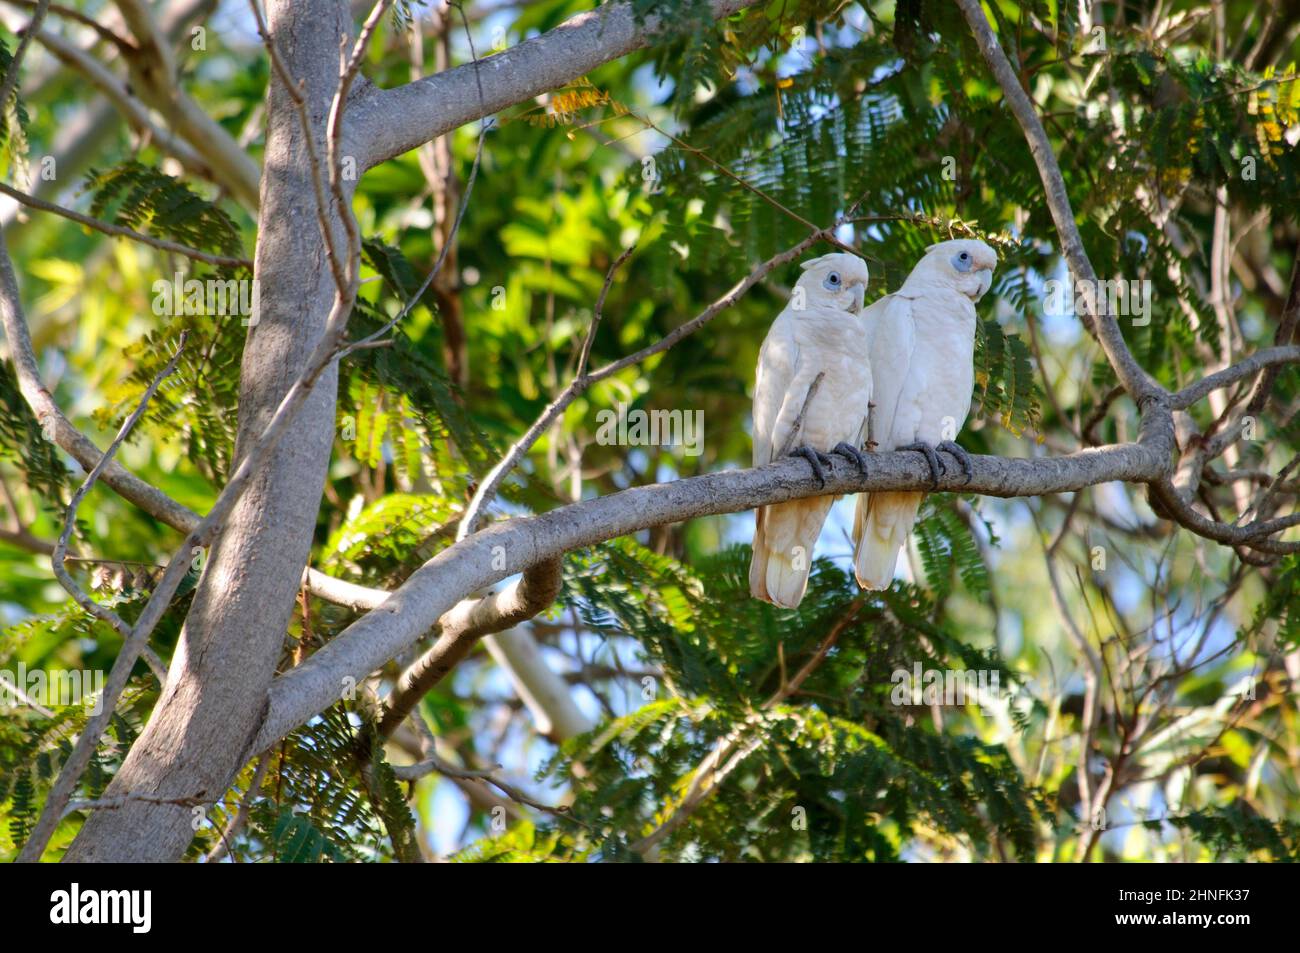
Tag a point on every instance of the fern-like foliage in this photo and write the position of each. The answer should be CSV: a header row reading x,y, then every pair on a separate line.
x,y
1004,379
451,444
835,771
949,549
521,844
196,406
324,803
1237,831
14,147
34,747
405,12
1279,607
384,536
23,443
147,199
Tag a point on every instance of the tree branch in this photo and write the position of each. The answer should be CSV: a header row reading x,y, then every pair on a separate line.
x,y
462,627
60,552
119,231
56,426
1268,357
1251,534
132,109
512,546
385,123
153,71
1136,381
85,19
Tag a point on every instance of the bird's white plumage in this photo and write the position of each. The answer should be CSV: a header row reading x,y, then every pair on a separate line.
x,y
922,360
819,332
891,331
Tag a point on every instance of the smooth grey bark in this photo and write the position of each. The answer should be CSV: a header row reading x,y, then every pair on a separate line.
x,y
389,122
217,687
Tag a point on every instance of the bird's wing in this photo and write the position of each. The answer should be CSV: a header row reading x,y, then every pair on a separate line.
x,y
942,375
792,358
776,363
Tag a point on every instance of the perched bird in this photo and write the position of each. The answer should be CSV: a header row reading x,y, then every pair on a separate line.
x,y
814,362
922,364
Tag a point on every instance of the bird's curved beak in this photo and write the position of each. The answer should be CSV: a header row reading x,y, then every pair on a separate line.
x,y
859,297
986,282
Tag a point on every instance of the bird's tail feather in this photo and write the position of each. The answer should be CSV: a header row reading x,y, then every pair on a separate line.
x,y
758,563
784,537
881,523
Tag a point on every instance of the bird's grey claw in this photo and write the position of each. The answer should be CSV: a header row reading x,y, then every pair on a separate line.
x,y
816,459
937,469
852,453
963,458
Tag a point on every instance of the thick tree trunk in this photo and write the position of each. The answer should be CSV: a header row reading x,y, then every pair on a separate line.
x,y
217,687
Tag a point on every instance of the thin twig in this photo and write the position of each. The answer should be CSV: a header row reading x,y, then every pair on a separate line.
x,y
294,92
121,800
599,313
119,231
222,847
372,339
797,425
122,44
26,699
60,553
432,762
485,125
334,125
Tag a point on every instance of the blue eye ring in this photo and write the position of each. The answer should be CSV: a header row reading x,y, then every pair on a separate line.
x,y
832,281
961,261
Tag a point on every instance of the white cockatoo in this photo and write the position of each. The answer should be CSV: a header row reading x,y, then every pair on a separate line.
x,y
922,365
819,341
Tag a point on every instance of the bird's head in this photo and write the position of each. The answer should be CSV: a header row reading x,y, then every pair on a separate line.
x,y
838,280
965,264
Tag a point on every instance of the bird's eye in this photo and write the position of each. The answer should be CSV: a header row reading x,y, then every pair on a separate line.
x,y
962,261
965,255
833,280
